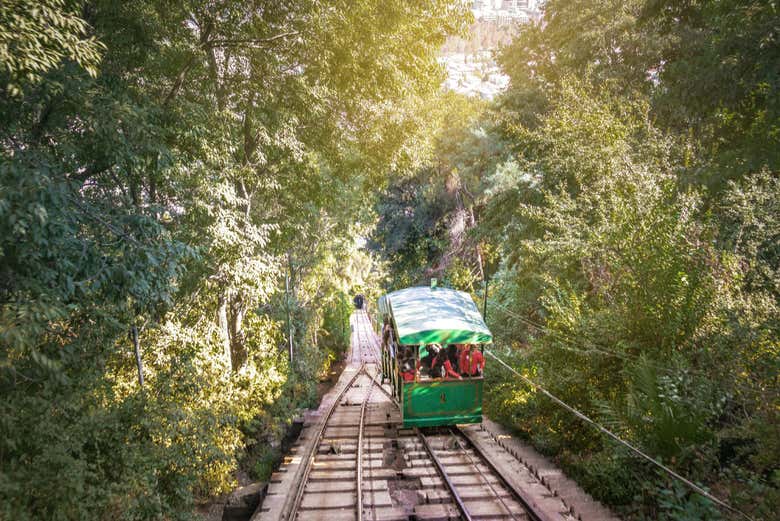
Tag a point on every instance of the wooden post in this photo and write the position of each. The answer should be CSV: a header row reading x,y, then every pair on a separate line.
x,y
134,336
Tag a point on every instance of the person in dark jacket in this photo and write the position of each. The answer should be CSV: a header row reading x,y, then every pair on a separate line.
x,y
453,356
441,366
407,370
426,362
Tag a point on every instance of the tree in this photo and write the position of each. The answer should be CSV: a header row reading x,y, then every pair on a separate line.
x,y
622,184
164,181
704,65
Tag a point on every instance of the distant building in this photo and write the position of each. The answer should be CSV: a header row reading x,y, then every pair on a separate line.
x,y
506,12
469,63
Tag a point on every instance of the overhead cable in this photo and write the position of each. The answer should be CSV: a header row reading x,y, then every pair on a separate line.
x,y
579,348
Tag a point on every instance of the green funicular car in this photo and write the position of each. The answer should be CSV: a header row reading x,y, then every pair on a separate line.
x,y
416,323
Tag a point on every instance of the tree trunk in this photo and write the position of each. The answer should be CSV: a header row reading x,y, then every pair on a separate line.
x,y
152,189
237,345
137,349
287,284
224,330
134,195
477,249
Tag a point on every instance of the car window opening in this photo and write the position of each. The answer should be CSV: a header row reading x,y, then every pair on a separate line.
x,y
436,362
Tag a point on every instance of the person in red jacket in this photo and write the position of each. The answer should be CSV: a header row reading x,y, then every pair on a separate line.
x,y
472,362
461,359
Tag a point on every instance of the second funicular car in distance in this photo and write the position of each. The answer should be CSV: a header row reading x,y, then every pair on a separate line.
x,y
432,343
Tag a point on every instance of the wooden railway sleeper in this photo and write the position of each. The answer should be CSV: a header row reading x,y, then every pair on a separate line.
x,y
464,513
482,475
517,495
359,463
290,509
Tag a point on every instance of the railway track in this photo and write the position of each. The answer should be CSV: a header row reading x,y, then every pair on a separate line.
x,y
354,461
470,482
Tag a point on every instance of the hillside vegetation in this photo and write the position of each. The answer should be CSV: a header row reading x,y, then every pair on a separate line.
x,y
185,180
622,198
186,188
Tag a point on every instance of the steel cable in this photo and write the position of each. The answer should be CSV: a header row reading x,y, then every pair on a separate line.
x,y
693,486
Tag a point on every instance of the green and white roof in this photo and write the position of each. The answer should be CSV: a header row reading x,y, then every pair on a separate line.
x,y
444,316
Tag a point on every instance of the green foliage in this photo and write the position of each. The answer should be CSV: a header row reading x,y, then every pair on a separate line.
x,y
669,413
751,228
37,36
619,268
705,68
428,214
265,463
195,173
677,504
612,477
624,191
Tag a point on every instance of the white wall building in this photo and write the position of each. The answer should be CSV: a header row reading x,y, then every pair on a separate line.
x,y
472,71
507,11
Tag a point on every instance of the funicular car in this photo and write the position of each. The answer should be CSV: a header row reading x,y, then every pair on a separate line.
x,y
418,325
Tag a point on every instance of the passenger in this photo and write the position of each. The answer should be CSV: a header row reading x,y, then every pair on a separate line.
x,y
407,370
452,356
463,359
405,353
472,362
387,330
462,366
441,366
406,363
427,361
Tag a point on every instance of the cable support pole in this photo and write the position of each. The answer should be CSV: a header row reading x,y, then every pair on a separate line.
x,y
693,486
484,301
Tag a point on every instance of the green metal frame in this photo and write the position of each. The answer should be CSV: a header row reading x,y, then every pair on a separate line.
x,y
442,402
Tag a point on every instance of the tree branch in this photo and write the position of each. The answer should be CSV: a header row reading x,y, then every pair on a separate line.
x,y
254,42
105,223
177,84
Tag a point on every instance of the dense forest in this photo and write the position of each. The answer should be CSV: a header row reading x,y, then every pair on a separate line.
x,y
181,188
187,187
621,200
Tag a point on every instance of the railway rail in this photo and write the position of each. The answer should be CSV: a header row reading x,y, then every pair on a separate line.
x,y
355,461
